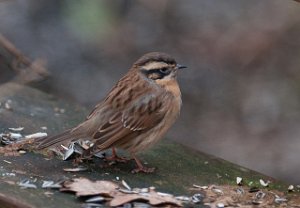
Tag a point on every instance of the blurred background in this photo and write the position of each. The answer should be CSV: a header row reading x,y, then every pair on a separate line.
x,y
241,93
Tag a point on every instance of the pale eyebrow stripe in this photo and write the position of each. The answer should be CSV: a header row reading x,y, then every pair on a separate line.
x,y
155,65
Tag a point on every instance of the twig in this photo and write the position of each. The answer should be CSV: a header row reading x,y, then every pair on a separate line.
x,y
27,71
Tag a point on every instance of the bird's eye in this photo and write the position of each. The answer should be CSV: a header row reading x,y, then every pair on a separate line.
x,y
164,70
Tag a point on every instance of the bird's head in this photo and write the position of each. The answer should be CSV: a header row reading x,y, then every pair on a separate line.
x,y
157,66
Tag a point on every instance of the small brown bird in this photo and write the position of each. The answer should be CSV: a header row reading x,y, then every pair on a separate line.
x,y
135,114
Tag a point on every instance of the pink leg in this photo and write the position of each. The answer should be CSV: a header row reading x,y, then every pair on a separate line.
x,y
115,157
140,167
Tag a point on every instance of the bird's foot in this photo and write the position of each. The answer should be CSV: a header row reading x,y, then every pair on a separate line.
x,y
140,168
77,161
143,170
116,158
82,159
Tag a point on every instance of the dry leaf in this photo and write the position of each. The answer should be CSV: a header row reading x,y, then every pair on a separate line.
x,y
156,199
152,198
122,198
85,187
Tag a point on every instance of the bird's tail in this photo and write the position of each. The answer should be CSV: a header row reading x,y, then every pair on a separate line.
x,y
42,143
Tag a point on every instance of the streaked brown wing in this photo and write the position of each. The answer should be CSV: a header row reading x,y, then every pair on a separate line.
x,y
95,110
143,114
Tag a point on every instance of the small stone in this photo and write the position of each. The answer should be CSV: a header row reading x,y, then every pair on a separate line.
x,y
263,183
240,190
217,191
256,202
126,185
183,198
95,199
239,180
260,195
16,129
22,151
197,198
279,200
7,105
220,205
291,188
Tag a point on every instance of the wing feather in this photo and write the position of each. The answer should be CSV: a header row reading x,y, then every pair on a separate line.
x,y
143,114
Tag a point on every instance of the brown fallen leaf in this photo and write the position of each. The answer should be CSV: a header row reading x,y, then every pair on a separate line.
x,y
123,198
152,197
85,187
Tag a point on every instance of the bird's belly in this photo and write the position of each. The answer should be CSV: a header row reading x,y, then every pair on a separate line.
x,y
152,136
147,140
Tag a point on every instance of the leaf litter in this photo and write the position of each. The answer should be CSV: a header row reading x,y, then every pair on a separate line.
x,y
76,169
14,142
85,187
237,196
27,184
102,190
218,196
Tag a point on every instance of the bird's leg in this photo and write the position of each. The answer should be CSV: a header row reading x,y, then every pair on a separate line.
x,y
140,167
115,157
85,156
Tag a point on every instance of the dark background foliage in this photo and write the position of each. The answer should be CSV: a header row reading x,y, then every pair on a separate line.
x,y
241,93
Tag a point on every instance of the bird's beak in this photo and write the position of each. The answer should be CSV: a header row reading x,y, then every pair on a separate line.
x,y
178,66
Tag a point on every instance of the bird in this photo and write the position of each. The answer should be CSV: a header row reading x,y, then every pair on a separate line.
x,y
136,113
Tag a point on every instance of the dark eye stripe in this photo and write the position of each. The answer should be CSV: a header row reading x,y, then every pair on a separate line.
x,y
157,73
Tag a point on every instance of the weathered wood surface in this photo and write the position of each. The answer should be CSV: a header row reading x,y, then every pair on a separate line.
x,y
178,167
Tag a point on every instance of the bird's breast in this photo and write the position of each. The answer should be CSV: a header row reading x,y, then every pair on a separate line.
x,y
152,136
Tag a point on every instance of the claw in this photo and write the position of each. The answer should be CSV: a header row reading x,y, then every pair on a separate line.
x,y
143,170
116,158
81,159
140,168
